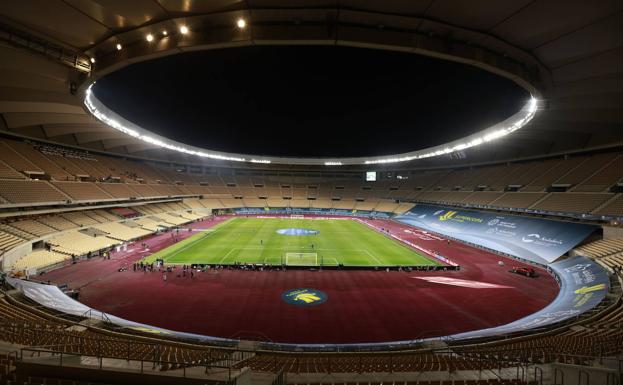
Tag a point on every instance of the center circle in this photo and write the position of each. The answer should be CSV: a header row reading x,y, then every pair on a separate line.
x,y
304,297
297,231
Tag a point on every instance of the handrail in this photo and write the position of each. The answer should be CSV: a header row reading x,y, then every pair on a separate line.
x,y
210,361
71,58
38,329
154,363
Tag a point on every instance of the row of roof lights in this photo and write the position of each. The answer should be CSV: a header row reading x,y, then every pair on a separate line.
x,y
531,109
529,112
241,23
163,143
184,30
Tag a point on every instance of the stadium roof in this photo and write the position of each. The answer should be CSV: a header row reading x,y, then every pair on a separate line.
x,y
568,53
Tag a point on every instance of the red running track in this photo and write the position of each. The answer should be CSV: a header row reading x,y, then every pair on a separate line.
x,y
362,306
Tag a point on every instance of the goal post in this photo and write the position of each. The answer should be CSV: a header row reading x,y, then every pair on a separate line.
x,y
301,259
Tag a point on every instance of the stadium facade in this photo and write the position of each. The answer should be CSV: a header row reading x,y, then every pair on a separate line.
x,y
542,191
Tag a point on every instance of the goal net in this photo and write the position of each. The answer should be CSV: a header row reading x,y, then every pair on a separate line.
x,y
297,216
302,259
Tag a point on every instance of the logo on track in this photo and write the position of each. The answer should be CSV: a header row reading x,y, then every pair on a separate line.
x,y
448,215
304,297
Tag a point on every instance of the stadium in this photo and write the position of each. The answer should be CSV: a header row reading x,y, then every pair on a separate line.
x,y
311,193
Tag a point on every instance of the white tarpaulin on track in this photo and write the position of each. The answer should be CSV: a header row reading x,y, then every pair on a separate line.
x,y
52,297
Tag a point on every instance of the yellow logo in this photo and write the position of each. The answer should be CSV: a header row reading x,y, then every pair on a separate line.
x,y
307,297
588,289
148,330
304,297
447,216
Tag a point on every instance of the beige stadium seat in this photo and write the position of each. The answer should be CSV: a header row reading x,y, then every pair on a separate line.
x,y
122,232
57,222
149,224
172,219
16,231
586,169
193,203
32,227
118,190
613,207
79,218
7,172
386,206
602,248
603,179
517,199
12,158
40,160
39,259
30,191
9,241
77,243
483,197
82,190
572,202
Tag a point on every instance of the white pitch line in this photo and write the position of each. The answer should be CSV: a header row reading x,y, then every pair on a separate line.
x,y
334,260
266,259
184,248
375,258
227,255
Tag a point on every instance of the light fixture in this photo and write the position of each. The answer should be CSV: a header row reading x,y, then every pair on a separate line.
x,y
500,130
241,23
164,33
149,37
119,47
184,30
92,60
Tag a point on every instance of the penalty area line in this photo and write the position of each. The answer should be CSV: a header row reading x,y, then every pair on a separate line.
x,y
375,258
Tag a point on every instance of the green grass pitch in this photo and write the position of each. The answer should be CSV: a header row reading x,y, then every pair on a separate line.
x,y
255,240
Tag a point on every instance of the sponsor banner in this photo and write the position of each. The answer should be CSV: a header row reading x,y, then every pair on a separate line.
x,y
52,297
583,285
310,211
533,239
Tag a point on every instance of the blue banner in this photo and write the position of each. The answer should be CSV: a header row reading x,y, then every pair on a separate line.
x,y
583,285
533,239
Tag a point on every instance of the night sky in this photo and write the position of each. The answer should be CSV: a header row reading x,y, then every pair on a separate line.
x,y
309,101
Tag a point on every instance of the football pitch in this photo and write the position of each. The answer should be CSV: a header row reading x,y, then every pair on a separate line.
x,y
291,242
